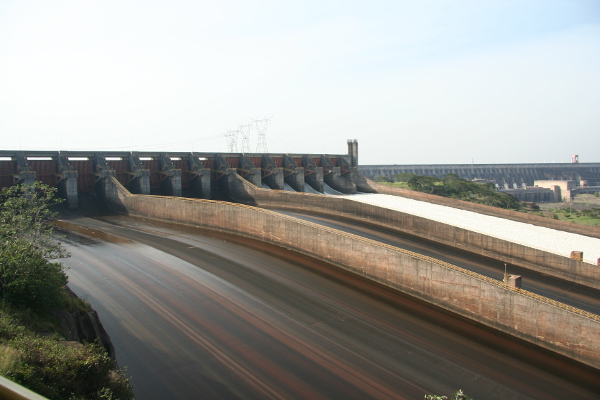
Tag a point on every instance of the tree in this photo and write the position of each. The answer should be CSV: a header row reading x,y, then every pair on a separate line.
x,y
403,177
426,184
28,277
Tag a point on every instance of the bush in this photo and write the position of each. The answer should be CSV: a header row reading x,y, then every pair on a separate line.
x,y
34,286
27,278
403,177
57,369
458,395
454,187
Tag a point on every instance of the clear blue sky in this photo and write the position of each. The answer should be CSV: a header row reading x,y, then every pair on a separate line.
x,y
415,82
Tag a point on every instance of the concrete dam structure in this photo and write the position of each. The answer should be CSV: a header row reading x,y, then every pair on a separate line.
x,y
198,175
506,176
555,326
163,186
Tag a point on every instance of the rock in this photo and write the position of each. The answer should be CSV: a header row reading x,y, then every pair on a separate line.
x,y
84,327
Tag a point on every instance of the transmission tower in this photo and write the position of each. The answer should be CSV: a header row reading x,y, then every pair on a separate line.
x,y
231,137
261,128
245,133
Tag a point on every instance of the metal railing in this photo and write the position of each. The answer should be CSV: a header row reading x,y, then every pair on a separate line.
x,y
13,391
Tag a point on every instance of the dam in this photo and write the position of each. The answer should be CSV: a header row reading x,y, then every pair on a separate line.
x,y
504,175
490,302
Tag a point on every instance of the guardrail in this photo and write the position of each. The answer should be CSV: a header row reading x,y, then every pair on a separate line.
x,y
13,391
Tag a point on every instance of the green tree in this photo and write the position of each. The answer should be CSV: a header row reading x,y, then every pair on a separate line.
x,y
403,177
426,184
28,277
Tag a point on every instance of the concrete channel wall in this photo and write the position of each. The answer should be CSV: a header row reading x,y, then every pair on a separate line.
x,y
366,185
509,252
549,324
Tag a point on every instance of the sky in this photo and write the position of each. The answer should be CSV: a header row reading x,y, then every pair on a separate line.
x,y
413,81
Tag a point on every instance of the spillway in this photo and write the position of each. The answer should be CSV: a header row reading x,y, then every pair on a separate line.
x,y
330,191
310,189
537,237
204,316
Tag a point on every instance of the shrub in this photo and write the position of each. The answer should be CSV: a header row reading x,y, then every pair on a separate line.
x,y
458,395
27,278
57,369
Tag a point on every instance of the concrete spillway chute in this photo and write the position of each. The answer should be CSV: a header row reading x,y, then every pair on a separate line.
x,y
310,189
331,191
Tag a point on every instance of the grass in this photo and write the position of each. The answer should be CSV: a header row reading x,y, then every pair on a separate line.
x,y
37,358
583,210
403,185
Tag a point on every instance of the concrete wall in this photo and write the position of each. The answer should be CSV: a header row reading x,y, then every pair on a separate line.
x,y
513,253
560,328
536,195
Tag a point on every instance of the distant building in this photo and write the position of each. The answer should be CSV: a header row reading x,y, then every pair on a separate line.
x,y
562,189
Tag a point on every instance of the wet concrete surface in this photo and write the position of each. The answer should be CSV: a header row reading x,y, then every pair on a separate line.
x,y
200,315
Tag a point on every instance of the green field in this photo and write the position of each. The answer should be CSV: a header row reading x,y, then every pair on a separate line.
x,y
584,210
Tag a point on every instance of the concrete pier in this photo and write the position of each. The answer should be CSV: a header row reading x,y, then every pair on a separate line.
x,y
199,181
140,176
249,171
67,184
24,175
171,177
293,174
272,175
313,175
333,176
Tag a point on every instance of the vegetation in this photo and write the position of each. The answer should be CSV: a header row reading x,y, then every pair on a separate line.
x,y
51,368
584,210
457,188
27,278
32,286
403,177
458,395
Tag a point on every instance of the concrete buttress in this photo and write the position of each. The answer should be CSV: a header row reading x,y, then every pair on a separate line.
x,y
272,175
200,177
171,177
313,175
293,175
67,184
